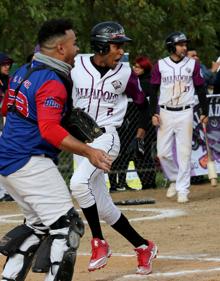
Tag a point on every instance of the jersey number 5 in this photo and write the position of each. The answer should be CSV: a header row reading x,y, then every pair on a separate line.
x,y
21,102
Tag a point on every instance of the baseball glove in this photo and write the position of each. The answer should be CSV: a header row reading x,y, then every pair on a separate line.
x,y
82,126
135,202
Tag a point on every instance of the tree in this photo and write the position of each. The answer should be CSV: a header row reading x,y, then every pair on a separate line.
x,y
146,22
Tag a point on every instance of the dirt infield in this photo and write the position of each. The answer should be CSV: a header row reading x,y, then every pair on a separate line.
x,y
187,235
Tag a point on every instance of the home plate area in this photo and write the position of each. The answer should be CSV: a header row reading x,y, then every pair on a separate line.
x,y
187,236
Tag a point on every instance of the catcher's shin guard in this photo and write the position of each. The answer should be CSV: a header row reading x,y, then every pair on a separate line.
x,y
17,265
26,262
66,269
14,239
76,231
62,246
41,262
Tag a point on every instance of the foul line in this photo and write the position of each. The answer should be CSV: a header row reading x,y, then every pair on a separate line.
x,y
202,257
168,274
158,215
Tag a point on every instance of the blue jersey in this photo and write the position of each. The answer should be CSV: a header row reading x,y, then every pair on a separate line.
x,y
21,138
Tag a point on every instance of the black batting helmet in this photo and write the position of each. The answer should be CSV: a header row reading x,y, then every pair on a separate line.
x,y
105,33
173,39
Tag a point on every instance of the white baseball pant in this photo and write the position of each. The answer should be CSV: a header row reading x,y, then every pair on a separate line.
x,y
88,184
43,195
176,128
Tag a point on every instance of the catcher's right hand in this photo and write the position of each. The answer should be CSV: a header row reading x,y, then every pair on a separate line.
x,y
100,159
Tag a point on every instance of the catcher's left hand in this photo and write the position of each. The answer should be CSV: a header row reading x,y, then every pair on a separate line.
x,y
82,126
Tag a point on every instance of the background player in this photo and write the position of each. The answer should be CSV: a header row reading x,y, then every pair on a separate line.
x,y
31,140
102,85
178,77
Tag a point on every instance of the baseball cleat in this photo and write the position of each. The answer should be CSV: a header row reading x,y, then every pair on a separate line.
x,y
182,198
145,255
6,198
100,254
171,191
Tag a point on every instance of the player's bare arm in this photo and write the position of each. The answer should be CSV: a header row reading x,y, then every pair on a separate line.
x,y
153,104
204,119
156,119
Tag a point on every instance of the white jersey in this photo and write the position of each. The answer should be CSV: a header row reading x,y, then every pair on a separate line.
x,y
177,81
102,97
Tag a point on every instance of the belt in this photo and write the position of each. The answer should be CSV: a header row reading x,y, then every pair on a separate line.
x,y
176,108
109,129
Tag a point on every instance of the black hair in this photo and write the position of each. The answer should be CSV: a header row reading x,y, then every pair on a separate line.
x,y
29,57
191,48
53,28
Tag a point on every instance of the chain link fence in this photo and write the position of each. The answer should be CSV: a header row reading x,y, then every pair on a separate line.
x,y
66,165
128,171
122,175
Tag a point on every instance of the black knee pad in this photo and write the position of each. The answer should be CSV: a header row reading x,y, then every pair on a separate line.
x,y
75,224
76,229
70,219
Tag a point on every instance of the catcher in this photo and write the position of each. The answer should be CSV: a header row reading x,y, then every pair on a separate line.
x,y
30,142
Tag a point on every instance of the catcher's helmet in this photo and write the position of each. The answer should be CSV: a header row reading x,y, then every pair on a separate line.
x,y
105,33
173,39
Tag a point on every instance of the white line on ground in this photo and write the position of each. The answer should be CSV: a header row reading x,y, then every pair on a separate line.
x,y
160,214
199,257
166,274
202,257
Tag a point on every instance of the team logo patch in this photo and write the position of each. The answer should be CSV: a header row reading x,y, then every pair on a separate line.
x,y
188,69
50,102
116,84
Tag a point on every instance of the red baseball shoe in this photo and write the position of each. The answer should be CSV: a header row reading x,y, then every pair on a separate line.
x,y
100,254
145,255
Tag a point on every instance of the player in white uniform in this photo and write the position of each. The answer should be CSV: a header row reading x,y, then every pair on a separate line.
x,y
178,77
102,85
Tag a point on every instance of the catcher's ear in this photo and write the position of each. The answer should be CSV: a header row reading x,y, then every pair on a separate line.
x,y
60,49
